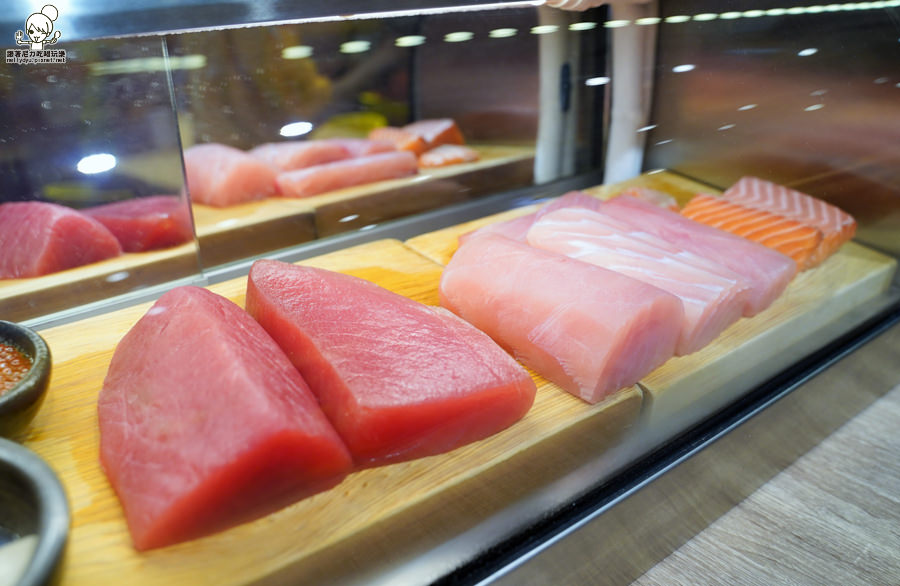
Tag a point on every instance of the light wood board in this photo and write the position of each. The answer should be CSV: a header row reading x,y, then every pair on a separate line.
x,y
374,518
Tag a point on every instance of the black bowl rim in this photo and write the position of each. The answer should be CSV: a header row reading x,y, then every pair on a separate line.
x,y
28,390
53,522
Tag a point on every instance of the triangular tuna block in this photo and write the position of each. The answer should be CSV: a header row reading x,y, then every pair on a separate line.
x,y
398,379
204,423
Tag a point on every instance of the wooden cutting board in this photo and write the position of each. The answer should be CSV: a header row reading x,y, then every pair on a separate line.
x,y
374,519
753,349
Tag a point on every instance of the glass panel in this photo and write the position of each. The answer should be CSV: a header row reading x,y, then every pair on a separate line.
x,y
300,84
93,129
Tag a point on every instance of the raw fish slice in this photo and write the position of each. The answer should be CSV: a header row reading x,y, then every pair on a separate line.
x,y
767,271
360,147
347,173
220,176
795,239
146,223
39,238
590,330
401,139
517,228
204,422
662,199
398,379
437,131
287,156
837,226
711,302
448,154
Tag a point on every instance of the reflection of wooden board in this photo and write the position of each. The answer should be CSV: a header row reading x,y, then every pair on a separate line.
x,y
751,350
23,299
256,227
374,518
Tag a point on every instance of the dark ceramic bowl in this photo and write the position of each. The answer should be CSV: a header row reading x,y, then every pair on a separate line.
x,y
34,513
19,404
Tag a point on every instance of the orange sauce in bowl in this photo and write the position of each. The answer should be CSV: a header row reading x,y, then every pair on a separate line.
x,y
14,365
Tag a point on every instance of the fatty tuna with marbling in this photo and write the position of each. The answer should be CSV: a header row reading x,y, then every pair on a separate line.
x,y
590,330
712,301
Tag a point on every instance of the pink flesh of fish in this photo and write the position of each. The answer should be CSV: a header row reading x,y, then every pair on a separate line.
x,y
711,301
220,176
590,330
287,156
347,173
768,272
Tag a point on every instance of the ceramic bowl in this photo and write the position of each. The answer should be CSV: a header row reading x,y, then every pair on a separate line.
x,y
19,404
34,518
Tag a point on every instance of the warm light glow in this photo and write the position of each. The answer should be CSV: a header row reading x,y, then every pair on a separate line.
x,y
502,33
147,64
544,29
98,163
296,129
410,41
705,16
459,37
351,47
677,18
616,23
582,26
648,21
297,52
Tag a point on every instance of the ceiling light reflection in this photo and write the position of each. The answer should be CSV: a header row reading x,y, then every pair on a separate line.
x,y
502,33
593,81
814,107
351,47
808,52
544,29
296,129
683,68
746,107
297,52
459,37
582,26
97,163
410,41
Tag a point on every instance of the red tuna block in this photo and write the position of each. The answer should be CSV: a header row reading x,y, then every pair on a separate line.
x,y
347,173
39,238
398,379
146,223
590,330
204,422
220,176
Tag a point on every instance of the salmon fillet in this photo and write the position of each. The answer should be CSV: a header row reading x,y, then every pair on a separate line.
x,y
837,226
403,140
795,239
346,173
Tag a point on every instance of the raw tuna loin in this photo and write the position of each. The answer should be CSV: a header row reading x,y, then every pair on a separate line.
x,y
590,330
397,379
221,176
39,238
204,423
146,223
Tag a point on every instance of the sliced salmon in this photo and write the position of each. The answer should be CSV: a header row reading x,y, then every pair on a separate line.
x,y
795,239
837,226
436,131
403,140
448,154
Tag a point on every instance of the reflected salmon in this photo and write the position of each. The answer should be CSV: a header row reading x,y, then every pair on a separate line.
x,y
448,154
221,176
287,156
347,173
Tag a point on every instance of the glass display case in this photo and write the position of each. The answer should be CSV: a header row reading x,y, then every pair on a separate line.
x,y
669,99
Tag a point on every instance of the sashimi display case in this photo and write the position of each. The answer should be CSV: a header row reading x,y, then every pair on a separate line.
x,y
676,223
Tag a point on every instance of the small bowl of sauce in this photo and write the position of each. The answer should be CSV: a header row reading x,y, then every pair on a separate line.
x,y
24,374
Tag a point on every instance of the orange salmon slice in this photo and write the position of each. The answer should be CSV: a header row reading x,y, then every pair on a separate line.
x,y
837,226
790,237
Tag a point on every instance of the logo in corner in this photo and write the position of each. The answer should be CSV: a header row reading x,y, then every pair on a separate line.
x,y
40,33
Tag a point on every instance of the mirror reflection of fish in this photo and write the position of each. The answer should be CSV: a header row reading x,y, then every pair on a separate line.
x,y
39,26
